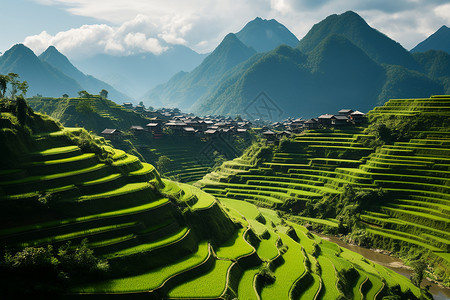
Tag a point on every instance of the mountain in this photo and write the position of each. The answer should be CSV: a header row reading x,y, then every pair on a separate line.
x,y
89,83
42,77
136,74
378,46
440,40
327,79
184,89
341,62
265,35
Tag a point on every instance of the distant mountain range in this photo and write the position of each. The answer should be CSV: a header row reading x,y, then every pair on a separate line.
x,y
341,63
136,74
440,40
184,89
52,74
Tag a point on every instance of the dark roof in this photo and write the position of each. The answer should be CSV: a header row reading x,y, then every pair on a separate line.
x,y
325,116
110,131
337,117
311,121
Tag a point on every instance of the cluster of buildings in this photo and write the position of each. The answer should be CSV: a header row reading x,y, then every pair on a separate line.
x,y
171,121
343,118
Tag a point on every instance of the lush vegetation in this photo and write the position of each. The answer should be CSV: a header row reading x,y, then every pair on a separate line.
x,y
384,186
120,228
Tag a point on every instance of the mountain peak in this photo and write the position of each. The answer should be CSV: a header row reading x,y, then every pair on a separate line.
x,y
440,40
19,49
265,35
377,46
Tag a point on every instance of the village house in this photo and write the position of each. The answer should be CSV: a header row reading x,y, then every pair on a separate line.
x,y
357,116
111,134
339,120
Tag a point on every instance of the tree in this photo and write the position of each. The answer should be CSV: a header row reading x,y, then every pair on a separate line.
x,y
65,96
84,106
15,85
419,267
22,112
104,94
84,94
163,164
3,85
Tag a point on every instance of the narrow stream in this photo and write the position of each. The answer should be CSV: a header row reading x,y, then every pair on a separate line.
x,y
393,263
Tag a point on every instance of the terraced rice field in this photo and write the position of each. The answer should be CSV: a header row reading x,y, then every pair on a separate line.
x,y
164,239
318,163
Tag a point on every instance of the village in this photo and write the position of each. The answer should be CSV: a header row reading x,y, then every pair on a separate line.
x,y
173,122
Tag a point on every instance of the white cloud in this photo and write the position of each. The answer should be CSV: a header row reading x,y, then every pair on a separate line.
x,y
153,25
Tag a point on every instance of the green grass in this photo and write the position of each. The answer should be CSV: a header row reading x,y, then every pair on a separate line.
x,y
328,222
267,249
246,289
72,235
328,278
126,189
287,273
235,247
249,210
150,280
202,287
116,213
153,245
311,291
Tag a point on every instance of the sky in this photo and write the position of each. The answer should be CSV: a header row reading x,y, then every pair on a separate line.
x,y
81,28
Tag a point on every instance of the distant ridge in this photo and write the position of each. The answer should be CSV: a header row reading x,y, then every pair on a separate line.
x,y
91,84
42,77
341,62
186,88
440,40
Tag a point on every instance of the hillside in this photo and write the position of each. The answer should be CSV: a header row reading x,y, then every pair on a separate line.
x,y
94,113
440,40
89,83
154,238
341,62
385,186
265,35
184,89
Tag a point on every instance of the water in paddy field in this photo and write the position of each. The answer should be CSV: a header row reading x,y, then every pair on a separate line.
x,y
393,263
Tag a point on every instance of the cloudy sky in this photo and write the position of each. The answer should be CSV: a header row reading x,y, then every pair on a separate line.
x,y
121,27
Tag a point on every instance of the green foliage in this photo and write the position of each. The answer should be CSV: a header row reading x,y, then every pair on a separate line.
x,y
42,272
84,107
88,143
84,94
163,164
391,128
103,93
